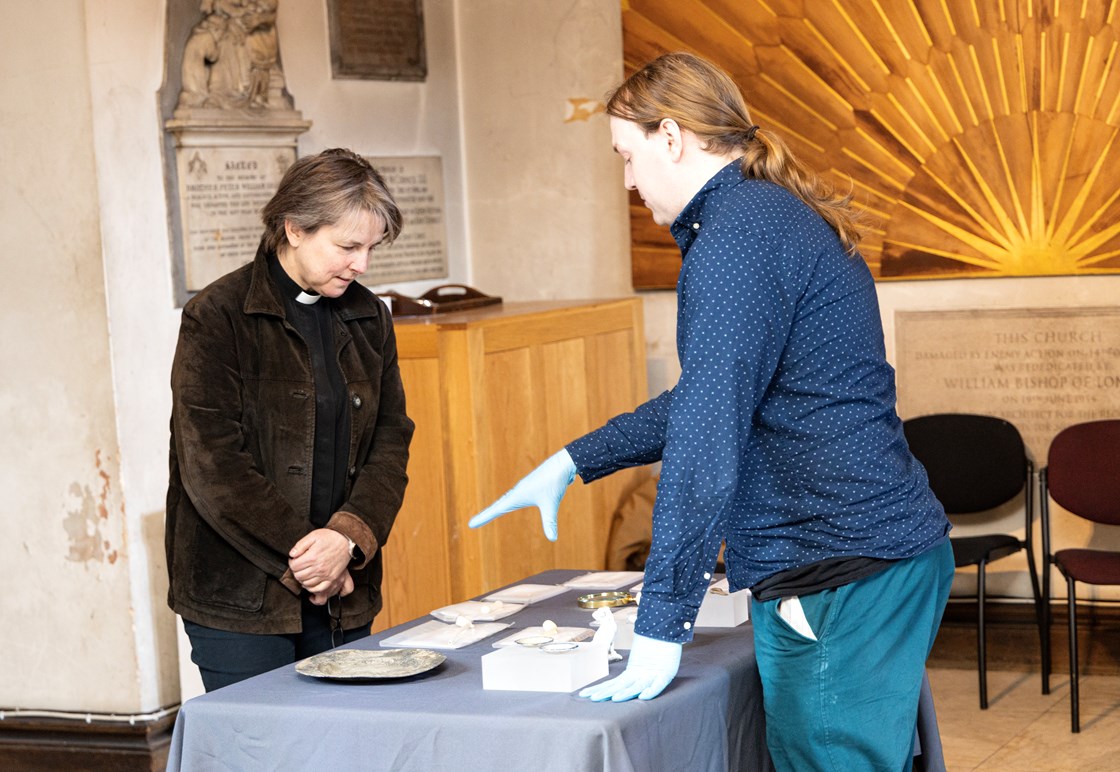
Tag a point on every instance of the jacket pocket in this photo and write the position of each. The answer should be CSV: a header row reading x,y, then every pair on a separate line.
x,y
221,576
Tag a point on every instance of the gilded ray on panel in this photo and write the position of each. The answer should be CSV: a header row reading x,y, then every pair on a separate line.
x,y
978,135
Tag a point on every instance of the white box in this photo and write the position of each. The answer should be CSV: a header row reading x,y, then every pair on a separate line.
x,y
520,669
625,618
724,610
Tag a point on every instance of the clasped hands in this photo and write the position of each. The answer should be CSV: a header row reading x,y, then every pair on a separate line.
x,y
319,561
652,664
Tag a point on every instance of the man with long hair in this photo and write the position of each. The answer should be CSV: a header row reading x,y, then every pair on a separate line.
x,y
781,438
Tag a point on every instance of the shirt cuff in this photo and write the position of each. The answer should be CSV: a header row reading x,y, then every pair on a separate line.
x,y
591,455
665,620
354,528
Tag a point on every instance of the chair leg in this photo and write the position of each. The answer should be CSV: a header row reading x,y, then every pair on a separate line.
x,y
1045,626
981,638
1039,618
1074,691
1046,574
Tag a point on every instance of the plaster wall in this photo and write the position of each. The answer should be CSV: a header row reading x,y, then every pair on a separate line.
x,y
547,210
68,617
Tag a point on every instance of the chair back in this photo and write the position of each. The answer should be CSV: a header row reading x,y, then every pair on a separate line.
x,y
974,462
1083,470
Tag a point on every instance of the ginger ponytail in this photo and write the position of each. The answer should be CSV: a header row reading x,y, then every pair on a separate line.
x,y
767,157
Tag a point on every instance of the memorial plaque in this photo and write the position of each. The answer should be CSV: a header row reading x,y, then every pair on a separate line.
x,y
420,251
221,193
1040,369
378,39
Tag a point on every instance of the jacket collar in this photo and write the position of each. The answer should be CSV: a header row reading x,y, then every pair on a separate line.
x,y
264,297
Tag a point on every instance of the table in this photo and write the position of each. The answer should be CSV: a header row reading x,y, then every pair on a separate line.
x,y
709,718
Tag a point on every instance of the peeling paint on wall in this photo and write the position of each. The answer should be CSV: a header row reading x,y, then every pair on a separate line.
x,y
83,522
583,109
82,527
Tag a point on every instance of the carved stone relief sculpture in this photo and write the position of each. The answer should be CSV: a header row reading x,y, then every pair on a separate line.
x,y
232,58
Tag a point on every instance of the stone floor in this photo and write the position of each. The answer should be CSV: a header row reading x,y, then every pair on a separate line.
x,y
1022,729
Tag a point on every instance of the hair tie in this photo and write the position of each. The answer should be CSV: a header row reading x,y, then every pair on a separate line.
x,y
750,133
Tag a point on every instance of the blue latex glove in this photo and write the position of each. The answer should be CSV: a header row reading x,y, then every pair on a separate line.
x,y
652,665
542,488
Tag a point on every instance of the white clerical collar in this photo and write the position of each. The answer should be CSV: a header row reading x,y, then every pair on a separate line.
x,y
307,298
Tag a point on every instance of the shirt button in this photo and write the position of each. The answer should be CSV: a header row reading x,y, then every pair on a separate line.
x,y
707,575
353,470
695,226
687,625
356,401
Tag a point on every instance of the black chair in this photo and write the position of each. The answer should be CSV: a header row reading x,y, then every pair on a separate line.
x,y
976,463
1082,475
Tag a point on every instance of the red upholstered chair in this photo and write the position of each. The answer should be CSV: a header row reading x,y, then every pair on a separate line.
x,y
976,463
1082,475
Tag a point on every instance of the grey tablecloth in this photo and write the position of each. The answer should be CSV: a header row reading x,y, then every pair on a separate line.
x,y
710,717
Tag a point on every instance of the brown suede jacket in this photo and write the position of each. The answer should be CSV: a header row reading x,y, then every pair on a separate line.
x,y
242,431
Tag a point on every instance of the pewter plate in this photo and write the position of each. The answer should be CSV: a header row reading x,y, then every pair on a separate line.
x,y
359,665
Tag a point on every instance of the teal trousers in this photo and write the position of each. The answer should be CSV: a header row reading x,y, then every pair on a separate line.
x,y
849,699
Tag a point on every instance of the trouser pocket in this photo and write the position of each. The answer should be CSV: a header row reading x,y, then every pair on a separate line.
x,y
792,613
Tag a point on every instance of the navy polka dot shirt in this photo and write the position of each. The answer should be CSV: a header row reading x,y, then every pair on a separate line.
x,y
781,436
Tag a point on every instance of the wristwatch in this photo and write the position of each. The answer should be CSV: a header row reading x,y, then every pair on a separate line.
x,y
353,548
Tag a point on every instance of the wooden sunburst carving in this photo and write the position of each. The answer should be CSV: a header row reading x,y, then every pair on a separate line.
x,y
980,136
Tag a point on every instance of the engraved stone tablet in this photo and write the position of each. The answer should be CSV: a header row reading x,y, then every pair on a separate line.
x,y
221,193
420,252
1040,369
378,39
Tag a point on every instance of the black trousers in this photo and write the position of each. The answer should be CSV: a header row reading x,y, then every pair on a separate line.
x,y
224,658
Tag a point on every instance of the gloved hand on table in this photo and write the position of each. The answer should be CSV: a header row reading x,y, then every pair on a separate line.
x,y
652,665
542,488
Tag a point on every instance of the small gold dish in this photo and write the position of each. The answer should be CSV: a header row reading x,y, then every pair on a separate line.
x,y
606,599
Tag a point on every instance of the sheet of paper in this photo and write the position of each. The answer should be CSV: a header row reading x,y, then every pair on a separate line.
x,y
604,580
527,593
477,611
437,635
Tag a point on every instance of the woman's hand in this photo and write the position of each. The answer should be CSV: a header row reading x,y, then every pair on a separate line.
x,y
318,562
347,587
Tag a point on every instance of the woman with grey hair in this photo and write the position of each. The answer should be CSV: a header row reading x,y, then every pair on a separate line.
x,y
289,438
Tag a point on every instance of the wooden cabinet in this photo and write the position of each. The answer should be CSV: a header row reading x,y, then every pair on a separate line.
x,y
494,391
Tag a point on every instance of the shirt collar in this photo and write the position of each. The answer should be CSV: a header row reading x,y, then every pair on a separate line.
x,y
264,295
288,286
691,219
